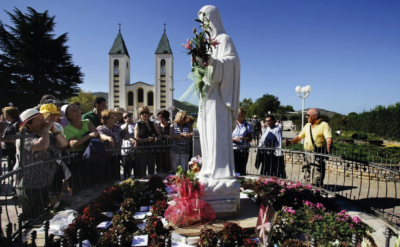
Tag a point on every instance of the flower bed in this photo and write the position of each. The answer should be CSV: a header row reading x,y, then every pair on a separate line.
x,y
304,212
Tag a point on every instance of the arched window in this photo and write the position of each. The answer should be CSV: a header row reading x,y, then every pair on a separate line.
x,y
150,98
116,63
130,99
140,95
162,63
127,65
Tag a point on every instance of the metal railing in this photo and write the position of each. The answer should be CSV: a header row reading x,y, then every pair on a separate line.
x,y
369,184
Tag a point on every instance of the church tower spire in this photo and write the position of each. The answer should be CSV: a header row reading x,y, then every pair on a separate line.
x,y
119,72
164,75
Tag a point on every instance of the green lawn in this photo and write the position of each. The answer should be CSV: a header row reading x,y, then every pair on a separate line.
x,y
362,152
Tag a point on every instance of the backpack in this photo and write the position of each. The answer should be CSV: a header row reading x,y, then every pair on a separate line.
x,y
96,152
256,125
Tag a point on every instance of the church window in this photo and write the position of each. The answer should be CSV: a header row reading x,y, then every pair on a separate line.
x,y
116,63
140,95
130,98
162,63
150,99
162,91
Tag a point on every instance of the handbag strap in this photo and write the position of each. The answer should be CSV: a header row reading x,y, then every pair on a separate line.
x,y
312,139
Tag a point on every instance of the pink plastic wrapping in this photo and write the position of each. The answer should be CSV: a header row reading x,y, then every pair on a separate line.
x,y
188,209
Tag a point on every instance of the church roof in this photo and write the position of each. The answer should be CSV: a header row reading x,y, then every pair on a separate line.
x,y
119,46
163,46
141,82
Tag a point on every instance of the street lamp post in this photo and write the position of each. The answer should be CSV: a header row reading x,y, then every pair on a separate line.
x,y
172,92
306,91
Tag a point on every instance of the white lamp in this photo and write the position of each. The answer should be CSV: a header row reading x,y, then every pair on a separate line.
x,y
298,89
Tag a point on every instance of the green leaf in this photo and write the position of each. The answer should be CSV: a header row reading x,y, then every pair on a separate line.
x,y
179,170
198,21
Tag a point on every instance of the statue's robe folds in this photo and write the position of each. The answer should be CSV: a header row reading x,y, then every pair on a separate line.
x,y
218,111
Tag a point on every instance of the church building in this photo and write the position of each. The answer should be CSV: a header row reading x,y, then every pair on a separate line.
x,y
131,96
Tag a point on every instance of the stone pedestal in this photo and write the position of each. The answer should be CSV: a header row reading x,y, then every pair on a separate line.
x,y
223,195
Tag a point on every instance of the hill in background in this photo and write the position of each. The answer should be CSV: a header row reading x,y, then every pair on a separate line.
x,y
189,108
323,112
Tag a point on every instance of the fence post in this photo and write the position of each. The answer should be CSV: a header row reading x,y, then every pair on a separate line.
x,y
167,241
19,220
46,233
22,149
388,235
33,238
80,236
9,231
121,240
313,242
63,242
354,240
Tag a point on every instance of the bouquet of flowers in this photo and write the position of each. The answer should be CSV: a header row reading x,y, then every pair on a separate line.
x,y
200,48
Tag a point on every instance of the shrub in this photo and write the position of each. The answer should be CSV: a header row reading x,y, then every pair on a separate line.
x,y
360,136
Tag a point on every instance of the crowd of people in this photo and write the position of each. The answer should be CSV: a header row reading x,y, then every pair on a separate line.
x,y
54,129
268,133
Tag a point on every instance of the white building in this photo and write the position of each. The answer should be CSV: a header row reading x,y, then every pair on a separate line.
x,y
121,93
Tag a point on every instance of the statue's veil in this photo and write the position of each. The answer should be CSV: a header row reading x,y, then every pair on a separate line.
x,y
212,13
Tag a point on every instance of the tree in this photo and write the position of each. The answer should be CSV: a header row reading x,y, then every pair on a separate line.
x,y
85,99
34,62
265,104
246,103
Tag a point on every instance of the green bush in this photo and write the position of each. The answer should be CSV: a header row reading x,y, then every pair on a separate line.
x,y
360,136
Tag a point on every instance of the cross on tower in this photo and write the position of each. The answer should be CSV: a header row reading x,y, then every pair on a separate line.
x,y
164,26
119,24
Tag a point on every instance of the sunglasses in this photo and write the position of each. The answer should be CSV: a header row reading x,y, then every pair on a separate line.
x,y
144,112
128,116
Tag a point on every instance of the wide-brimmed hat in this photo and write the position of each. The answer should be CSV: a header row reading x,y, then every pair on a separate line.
x,y
119,110
30,114
49,108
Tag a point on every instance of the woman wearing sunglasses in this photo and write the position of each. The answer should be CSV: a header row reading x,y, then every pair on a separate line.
x,y
146,132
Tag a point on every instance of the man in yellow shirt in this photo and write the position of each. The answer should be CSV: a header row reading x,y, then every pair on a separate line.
x,y
317,138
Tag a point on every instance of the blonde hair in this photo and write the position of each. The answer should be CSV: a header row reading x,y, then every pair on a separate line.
x,y
242,112
142,109
181,115
105,115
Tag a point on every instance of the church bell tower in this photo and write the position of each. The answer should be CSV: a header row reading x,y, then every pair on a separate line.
x,y
119,72
164,75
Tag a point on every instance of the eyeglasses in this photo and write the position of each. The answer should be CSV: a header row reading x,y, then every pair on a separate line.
x,y
144,112
128,116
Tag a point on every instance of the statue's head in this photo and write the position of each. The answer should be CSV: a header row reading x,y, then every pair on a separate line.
x,y
212,13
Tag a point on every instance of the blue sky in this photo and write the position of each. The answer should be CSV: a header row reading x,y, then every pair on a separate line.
x,y
347,50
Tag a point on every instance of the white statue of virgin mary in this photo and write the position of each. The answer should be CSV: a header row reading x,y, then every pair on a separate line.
x,y
218,111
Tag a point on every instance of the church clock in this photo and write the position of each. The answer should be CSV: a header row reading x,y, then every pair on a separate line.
x,y
116,71
162,70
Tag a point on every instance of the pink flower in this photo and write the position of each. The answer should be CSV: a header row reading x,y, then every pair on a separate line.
x,y
351,226
188,45
356,219
283,191
214,42
191,59
309,186
205,63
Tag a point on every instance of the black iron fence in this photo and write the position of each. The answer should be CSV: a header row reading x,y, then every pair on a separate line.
x,y
369,184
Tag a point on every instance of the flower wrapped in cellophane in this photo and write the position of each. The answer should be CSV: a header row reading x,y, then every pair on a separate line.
x,y
188,209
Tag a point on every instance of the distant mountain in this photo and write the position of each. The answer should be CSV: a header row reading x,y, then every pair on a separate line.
x,y
101,94
184,106
323,112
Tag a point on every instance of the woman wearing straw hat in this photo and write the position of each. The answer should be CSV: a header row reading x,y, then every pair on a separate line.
x,y
32,184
